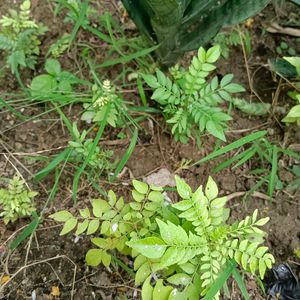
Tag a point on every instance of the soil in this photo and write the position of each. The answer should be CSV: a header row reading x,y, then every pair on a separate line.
x,y
48,261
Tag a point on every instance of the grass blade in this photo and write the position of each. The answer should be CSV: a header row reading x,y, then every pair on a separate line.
x,y
242,141
273,175
30,228
218,284
126,58
240,282
53,164
245,158
91,152
127,155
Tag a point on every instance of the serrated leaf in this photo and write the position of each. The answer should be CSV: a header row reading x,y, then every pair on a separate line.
x,y
68,226
61,216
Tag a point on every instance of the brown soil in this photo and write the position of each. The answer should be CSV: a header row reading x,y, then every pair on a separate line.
x,y
53,261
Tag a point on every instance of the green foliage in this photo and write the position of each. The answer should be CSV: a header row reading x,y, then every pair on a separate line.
x,y
19,38
294,114
60,46
15,201
56,81
183,25
104,97
233,37
81,146
178,249
261,151
191,103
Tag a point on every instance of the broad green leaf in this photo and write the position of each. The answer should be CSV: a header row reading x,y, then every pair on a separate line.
x,y
43,85
147,289
100,242
216,130
142,273
151,247
262,222
151,81
93,226
94,257
82,227
176,295
61,216
141,187
156,196
160,291
213,54
99,207
106,259
182,205
183,189
85,213
137,196
68,226
211,189
52,66
179,279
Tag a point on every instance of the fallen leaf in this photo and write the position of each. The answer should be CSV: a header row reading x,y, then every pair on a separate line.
x,y
55,292
5,279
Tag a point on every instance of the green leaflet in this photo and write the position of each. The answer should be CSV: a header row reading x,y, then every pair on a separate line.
x,y
183,25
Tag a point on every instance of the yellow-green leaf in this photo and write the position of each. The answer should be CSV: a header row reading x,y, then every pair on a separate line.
x,y
68,226
93,226
94,257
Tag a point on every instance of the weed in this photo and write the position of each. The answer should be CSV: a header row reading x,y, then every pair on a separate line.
x,y
102,98
233,37
184,245
267,153
16,201
19,38
56,81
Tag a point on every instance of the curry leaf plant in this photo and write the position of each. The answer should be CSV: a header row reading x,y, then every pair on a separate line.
x,y
190,101
19,37
16,201
179,249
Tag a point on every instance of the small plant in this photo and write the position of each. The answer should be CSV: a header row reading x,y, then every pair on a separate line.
x,y
284,48
178,249
233,37
56,81
294,114
103,98
19,37
15,201
81,146
191,103
60,46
